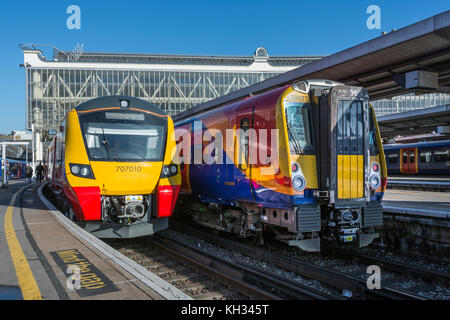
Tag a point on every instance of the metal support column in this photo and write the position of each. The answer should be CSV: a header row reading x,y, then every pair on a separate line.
x,y
32,145
3,170
4,178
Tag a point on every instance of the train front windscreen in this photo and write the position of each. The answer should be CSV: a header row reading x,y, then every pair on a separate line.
x,y
123,136
298,120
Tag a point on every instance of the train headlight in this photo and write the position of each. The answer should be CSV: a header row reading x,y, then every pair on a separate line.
x,y
298,182
374,181
81,170
124,103
169,171
85,172
75,169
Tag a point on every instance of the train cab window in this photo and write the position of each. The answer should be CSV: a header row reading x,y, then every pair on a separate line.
x,y
123,136
425,156
298,119
373,145
393,158
442,155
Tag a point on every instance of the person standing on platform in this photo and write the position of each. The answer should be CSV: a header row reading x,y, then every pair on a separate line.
x,y
39,172
28,173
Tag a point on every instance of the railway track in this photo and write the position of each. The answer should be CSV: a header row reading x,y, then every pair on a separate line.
x,y
185,276
354,284
206,277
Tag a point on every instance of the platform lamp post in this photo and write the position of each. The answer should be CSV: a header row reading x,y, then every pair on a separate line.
x,y
32,145
36,125
3,169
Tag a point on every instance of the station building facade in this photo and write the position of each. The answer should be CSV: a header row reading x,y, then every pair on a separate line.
x,y
175,83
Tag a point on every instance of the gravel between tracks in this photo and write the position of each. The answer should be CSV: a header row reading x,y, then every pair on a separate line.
x,y
241,259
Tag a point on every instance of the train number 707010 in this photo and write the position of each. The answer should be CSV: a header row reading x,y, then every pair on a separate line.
x,y
128,169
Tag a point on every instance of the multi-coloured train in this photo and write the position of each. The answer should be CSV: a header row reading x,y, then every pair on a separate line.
x,y
110,166
304,160
15,168
422,158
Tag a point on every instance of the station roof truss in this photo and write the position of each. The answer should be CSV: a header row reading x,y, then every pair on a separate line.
x,y
414,122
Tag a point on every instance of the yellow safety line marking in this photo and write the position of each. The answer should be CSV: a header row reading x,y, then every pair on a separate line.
x,y
27,283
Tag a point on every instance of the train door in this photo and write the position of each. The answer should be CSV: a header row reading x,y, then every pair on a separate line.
x,y
244,156
184,167
408,162
344,161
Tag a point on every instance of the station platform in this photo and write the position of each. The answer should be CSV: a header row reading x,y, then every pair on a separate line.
x,y
425,203
38,245
424,207
417,222
424,182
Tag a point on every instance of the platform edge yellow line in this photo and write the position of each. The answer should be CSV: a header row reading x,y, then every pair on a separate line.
x,y
28,286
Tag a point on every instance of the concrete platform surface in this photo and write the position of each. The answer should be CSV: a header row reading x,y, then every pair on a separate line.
x,y
424,203
44,257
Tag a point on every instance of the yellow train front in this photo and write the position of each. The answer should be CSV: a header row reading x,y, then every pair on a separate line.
x,y
111,167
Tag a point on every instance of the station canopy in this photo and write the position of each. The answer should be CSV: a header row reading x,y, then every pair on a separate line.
x,y
415,59
414,122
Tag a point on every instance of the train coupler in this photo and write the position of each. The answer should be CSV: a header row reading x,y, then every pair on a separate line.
x,y
348,235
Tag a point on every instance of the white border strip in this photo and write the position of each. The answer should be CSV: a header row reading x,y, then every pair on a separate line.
x,y
163,288
435,183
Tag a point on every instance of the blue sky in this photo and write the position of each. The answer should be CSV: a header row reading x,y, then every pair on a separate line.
x,y
283,27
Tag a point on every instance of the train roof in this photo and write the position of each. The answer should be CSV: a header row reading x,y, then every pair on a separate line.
x,y
115,101
242,94
394,146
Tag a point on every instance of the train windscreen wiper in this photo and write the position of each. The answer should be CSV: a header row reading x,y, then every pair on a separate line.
x,y
293,138
108,147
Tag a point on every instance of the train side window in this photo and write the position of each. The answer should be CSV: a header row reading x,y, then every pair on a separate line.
x,y
244,140
412,156
442,155
425,156
393,158
405,156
